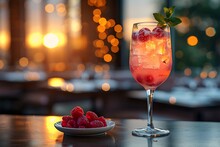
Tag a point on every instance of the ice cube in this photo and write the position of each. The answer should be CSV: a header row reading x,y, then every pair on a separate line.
x,y
152,62
150,45
138,48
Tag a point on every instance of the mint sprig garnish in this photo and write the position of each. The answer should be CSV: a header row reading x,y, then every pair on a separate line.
x,y
168,19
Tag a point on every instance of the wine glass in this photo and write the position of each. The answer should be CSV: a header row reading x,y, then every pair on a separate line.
x,y
150,63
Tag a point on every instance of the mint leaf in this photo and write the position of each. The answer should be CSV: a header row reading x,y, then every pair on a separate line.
x,y
168,19
166,11
159,17
169,11
173,21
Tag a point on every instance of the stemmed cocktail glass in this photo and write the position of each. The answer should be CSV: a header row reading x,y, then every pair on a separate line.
x,y
150,64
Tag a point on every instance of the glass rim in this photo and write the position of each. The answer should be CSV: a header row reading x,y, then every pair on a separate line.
x,y
146,22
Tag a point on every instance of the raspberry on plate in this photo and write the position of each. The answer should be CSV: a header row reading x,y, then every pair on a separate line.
x,y
79,119
64,124
77,112
71,124
91,115
102,119
82,121
144,34
96,124
66,118
158,32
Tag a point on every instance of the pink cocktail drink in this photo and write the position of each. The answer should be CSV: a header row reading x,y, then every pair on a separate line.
x,y
150,56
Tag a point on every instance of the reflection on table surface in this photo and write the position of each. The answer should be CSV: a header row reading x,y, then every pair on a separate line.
x,y
40,131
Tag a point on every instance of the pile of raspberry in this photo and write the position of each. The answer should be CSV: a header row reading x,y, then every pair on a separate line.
x,y
145,34
78,119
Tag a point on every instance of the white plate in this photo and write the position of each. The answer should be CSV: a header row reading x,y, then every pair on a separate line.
x,y
85,131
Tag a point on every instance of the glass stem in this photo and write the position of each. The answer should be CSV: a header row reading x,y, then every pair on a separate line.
x,y
150,94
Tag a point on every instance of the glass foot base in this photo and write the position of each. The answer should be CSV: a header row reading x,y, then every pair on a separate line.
x,y
149,132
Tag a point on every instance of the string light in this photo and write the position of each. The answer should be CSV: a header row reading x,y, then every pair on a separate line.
x,y
192,40
210,31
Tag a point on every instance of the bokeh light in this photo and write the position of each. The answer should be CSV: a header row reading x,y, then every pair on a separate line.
x,y
49,8
23,62
203,74
106,86
51,40
192,40
56,82
102,21
34,40
172,100
107,58
118,28
114,49
212,74
210,31
101,28
187,72
97,12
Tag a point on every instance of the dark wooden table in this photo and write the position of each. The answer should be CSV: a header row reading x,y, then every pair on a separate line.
x,y
39,131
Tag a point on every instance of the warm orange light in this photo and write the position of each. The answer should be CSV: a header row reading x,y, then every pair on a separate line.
x,y
102,21
210,31
99,43
108,58
75,26
62,39
97,12
100,3
110,37
184,26
172,100
50,128
100,28
104,49
108,25
68,87
49,8
91,2
102,35
61,9
4,40
192,40
34,40
187,71
51,40
23,62
106,87
118,28
114,42
212,74
96,18
112,22
114,49
56,82
203,74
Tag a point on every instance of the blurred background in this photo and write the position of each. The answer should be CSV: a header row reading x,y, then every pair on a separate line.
x,y
57,54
